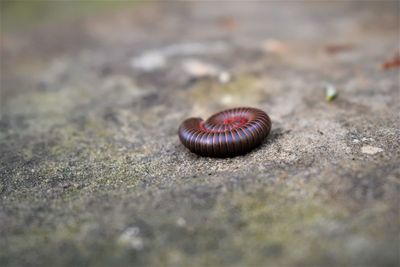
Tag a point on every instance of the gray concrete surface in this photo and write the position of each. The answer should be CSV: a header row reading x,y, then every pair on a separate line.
x,y
93,174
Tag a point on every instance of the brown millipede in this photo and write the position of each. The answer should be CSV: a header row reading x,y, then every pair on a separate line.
x,y
227,133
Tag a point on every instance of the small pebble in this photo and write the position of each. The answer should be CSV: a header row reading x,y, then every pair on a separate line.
x,y
130,238
199,69
224,77
275,47
181,222
149,62
371,150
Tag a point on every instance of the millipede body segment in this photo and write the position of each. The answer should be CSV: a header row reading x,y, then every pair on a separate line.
x,y
227,133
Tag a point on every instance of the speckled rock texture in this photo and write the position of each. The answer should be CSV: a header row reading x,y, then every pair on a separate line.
x,y
92,171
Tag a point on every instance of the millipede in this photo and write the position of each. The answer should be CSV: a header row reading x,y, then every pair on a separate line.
x,y
227,133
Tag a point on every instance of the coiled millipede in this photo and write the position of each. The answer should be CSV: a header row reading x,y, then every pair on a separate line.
x,y
227,133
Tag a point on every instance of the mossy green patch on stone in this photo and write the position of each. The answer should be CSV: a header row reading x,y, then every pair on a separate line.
x,y
23,14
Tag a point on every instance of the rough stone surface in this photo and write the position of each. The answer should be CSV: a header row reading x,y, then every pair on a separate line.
x,y
93,174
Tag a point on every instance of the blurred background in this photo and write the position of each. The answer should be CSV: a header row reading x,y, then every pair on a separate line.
x,y
92,172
